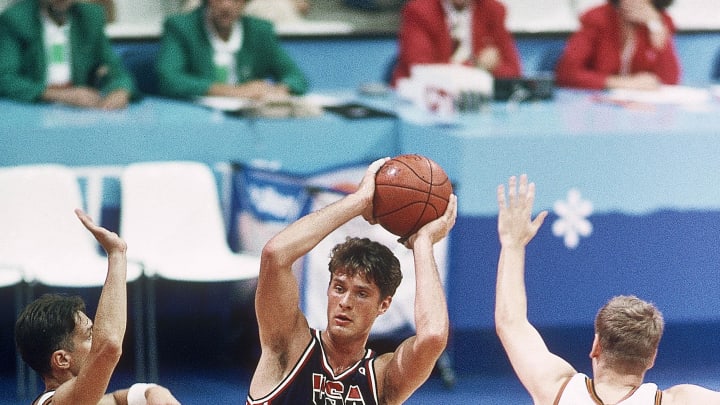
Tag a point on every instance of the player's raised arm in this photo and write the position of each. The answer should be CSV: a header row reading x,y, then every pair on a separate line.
x,y
107,332
277,294
541,372
401,373
282,326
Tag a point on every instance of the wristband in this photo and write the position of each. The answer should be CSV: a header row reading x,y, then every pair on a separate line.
x,y
136,393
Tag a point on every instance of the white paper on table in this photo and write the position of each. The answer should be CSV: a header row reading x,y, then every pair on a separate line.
x,y
667,94
325,100
225,103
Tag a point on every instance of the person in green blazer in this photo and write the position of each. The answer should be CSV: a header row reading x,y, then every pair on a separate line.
x,y
216,51
57,51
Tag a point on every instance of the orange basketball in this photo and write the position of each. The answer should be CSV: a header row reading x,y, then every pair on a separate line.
x,y
410,191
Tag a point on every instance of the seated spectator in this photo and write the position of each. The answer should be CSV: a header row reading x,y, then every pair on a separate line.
x,y
278,11
57,51
621,44
216,51
470,32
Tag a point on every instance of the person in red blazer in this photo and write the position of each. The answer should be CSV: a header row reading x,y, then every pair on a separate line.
x,y
470,32
621,44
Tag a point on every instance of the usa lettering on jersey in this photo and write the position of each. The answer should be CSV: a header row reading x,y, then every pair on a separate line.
x,y
330,392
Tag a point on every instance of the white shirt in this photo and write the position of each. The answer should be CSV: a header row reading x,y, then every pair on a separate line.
x,y
57,51
460,24
224,51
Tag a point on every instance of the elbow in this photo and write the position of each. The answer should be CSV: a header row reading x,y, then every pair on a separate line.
x,y
435,340
503,321
273,255
500,328
507,325
439,341
270,252
111,349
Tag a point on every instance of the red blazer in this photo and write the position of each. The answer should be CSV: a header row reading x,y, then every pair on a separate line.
x,y
425,36
593,52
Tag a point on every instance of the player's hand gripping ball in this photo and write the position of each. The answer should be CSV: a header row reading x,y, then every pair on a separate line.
x,y
410,191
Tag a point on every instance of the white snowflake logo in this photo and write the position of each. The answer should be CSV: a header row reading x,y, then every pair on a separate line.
x,y
572,220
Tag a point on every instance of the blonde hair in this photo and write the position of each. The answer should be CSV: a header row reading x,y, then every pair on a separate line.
x,y
629,331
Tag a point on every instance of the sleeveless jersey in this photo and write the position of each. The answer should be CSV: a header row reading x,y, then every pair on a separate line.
x,y
44,398
312,381
580,390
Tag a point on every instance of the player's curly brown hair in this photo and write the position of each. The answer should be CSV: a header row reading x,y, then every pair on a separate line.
x,y
363,256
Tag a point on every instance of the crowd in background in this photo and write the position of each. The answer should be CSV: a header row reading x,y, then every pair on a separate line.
x,y
230,48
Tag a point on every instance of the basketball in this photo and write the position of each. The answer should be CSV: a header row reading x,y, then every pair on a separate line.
x,y
410,191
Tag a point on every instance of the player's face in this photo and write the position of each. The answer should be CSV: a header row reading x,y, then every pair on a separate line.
x,y
353,304
224,13
82,341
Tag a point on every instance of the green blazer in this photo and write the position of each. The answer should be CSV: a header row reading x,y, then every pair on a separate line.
x,y
23,65
185,64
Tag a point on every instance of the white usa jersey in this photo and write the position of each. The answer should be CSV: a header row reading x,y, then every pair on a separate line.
x,y
580,390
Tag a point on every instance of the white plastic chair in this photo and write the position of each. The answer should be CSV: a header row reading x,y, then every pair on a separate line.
x,y
41,236
172,217
41,233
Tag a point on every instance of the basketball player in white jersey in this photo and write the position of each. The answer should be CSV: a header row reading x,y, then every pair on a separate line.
x,y
627,330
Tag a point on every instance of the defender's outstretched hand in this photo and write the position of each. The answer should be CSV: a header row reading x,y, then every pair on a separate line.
x,y
110,241
515,226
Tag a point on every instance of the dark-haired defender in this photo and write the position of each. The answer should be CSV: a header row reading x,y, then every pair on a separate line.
x,y
627,330
300,365
74,356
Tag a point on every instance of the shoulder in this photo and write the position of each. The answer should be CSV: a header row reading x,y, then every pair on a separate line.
x,y
185,19
492,11
493,6
190,23
257,24
18,14
573,390
423,7
44,398
21,8
689,394
600,15
669,22
88,11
